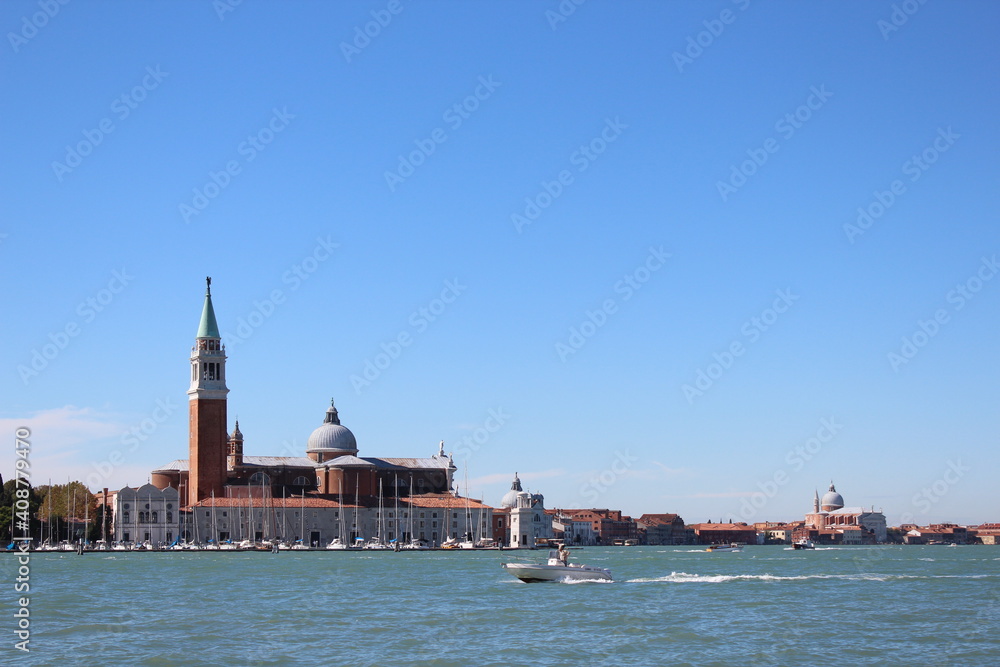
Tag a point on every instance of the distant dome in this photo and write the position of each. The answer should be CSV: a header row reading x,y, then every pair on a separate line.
x,y
331,436
832,500
510,498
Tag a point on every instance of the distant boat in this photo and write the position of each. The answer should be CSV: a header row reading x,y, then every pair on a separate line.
x,y
336,545
734,547
804,543
557,569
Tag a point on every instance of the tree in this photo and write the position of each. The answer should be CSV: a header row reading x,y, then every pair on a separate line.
x,y
8,496
64,508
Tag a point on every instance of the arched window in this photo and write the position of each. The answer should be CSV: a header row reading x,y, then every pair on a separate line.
x,y
124,517
300,481
154,517
170,517
260,478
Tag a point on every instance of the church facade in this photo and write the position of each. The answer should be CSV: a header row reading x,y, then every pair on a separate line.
x,y
830,521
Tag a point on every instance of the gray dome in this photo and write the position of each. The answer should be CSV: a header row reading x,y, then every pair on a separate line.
x,y
510,498
332,436
832,499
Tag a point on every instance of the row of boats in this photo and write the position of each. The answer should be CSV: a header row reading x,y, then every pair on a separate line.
x,y
359,544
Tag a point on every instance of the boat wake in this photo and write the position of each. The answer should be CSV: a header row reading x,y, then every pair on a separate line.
x,y
685,577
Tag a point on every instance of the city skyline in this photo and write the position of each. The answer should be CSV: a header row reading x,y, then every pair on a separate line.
x,y
624,264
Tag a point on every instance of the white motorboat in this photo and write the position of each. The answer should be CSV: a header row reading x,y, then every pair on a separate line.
x,y
557,569
803,544
734,547
336,545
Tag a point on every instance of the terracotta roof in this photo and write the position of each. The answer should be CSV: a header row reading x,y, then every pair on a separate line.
x,y
444,500
277,503
657,519
720,526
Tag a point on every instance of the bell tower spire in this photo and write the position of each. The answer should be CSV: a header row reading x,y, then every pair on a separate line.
x,y
207,438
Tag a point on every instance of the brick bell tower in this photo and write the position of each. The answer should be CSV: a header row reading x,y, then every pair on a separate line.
x,y
207,408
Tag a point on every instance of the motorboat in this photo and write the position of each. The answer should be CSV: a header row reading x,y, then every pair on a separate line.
x,y
803,544
734,547
336,545
557,569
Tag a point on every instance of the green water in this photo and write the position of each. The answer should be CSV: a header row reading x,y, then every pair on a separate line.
x,y
667,606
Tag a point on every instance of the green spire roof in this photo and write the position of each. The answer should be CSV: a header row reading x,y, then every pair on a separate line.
x,y
208,328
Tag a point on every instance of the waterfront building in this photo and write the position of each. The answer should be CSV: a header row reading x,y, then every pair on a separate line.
x,y
527,520
937,533
227,493
986,533
831,521
609,526
724,533
146,514
571,530
662,529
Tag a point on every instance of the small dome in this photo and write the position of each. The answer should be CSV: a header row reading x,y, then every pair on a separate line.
x,y
832,500
510,498
332,436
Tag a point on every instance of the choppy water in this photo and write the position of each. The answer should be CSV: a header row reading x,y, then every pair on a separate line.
x,y
667,605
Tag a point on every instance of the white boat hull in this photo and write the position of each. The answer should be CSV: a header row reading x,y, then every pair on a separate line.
x,y
530,573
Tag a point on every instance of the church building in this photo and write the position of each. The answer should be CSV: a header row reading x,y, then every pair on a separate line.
x,y
328,492
830,521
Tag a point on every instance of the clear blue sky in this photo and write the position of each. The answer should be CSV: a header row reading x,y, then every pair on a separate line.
x,y
833,101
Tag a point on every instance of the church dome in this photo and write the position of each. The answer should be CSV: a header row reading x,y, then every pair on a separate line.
x,y
832,500
331,436
510,498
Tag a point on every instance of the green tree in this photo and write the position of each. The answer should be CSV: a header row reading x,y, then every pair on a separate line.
x,y
8,496
63,509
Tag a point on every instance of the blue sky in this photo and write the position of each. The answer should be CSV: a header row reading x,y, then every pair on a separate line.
x,y
567,222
